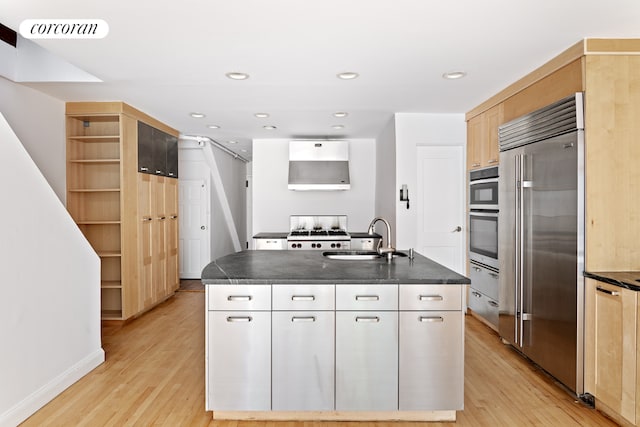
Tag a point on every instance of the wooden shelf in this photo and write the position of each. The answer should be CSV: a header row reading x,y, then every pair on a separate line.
x,y
111,284
96,161
112,314
95,138
98,222
109,254
93,190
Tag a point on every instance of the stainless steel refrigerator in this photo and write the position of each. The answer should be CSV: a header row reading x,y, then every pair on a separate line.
x,y
541,238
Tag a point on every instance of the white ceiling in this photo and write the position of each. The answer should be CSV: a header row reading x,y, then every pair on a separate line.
x,y
170,58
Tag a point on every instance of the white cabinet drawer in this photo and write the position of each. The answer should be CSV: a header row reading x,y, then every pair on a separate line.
x,y
431,297
303,297
240,297
366,297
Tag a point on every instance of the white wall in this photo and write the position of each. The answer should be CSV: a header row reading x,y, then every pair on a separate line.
x,y
387,192
50,305
412,130
38,120
273,202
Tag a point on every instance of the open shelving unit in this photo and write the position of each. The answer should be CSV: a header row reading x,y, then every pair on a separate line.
x,y
94,176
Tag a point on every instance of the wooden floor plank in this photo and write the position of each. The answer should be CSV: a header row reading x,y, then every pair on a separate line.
x,y
154,376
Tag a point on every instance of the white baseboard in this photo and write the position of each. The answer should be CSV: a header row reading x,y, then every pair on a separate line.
x,y
36,400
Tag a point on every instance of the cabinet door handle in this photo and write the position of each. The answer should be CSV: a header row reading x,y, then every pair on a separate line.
x,y
239,319
476,294
367,298
147,219
475,165
239,298
303,298
431,319
493,304
162,218
607,291
492,161
158,172
431,298
374,319
303,319
143,169
171,173
174,216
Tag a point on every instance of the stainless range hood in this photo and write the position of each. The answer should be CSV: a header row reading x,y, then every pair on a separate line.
x,y
319,165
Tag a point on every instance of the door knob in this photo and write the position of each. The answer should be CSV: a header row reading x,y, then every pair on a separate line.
x,y
203,227
457,229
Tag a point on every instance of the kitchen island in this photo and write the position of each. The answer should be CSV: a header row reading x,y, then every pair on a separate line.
x,y
295,335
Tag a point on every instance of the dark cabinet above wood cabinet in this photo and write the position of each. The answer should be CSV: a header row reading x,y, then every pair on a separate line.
x,y
157,151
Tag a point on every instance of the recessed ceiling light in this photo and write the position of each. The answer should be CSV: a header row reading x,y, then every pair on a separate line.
x,y
338,126
213,126
340,114
261,115
232,142
237,76
348,75
453,75
197,115
269,127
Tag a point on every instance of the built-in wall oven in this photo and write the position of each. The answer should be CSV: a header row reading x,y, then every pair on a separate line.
x,y
483,216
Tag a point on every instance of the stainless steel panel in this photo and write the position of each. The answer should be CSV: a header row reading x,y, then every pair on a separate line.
x,y
484,280
366,361
303,297
270,244
239,361
431,361
240,297
367,297
303,361
430,297
484,306
365,244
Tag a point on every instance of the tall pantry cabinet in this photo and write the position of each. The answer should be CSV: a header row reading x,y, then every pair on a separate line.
x,y
129,215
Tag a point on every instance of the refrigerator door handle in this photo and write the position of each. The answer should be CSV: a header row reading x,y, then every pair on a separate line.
x,y
522,184
517,249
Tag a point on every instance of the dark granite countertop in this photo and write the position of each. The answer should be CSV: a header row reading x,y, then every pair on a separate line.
x,y
267,267
624,279
279,235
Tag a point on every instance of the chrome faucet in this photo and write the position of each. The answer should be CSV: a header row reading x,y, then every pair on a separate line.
x,y
389,250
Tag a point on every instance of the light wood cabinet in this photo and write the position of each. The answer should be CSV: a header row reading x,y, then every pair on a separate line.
x,y
482,139
611,348
118,209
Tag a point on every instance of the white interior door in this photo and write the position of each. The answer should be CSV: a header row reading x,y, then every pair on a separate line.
x,y
440,206
194,228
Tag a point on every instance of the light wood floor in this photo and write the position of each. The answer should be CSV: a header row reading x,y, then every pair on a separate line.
x,y
154,375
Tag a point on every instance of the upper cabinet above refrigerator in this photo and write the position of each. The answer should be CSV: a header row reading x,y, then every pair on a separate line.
x,y
157,151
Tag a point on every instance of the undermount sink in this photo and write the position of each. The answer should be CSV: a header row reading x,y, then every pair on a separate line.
x,y
358,255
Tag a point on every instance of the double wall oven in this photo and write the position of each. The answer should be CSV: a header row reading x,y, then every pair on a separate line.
x,y
483,243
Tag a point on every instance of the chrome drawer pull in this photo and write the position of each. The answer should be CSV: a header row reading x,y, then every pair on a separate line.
x,y
493,304
367,298
303,319
431,319
303,298
239,298
367,319
431,298
476,294
608,292
239,319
